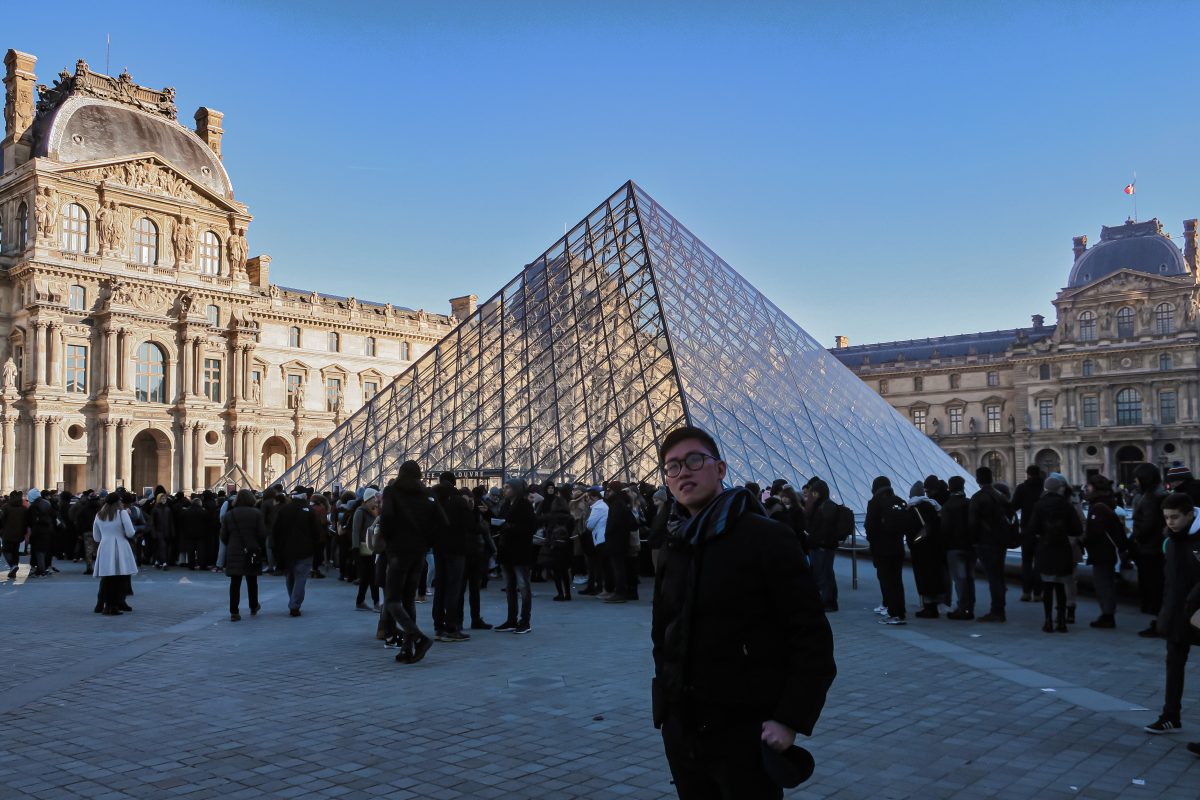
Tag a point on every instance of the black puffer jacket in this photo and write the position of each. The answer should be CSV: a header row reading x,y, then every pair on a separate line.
x,y
821,520
16,522
243,532
988,518
409,518
955,530
767,649
515,547
460,525
884,541
1147,514
298,532
1181,587
1053,524
1104,534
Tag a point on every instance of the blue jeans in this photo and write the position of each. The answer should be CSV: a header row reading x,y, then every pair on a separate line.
x,y
992,558
822,567
516,581
962,575
297,576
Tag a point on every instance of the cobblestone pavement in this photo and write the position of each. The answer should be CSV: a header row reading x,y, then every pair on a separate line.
x,y
175,700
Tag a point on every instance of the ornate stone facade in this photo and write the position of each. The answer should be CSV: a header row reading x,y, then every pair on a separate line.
x,y
1113,384
141,343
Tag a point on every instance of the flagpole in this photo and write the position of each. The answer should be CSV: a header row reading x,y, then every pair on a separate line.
x,y
1135,196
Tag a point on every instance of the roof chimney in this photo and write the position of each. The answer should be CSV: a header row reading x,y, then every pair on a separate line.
x,y
1039,322
463,307
1080,246
1191,237
258,269
19,82
208,128
841,342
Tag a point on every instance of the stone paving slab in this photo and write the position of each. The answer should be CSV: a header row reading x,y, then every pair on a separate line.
x,y
175,700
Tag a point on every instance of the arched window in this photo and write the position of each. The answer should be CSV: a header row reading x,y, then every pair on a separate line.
x,y
369,348
294,336
1089,366
75,228
145,241
1165,362
1125,323
149,370
23,226
1164,318
335,342
214,316
1087,326
208,254
78,298
1129,407
405,351
995,462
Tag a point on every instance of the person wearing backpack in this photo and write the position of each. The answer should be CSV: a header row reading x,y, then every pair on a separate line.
x,y
825,524
886,528
991,527
1104,539
363,532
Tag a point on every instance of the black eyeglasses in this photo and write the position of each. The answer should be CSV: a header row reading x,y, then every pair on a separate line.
x,y
693,461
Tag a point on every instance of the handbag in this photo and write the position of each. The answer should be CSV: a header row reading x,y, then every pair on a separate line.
x,y
539,537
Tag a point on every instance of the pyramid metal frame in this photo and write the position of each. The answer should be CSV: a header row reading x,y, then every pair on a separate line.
x,y
627,327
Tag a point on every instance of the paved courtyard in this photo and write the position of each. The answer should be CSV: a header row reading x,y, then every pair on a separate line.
x,y
175,700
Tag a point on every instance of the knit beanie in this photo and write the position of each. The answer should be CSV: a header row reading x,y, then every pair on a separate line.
x,y
983,476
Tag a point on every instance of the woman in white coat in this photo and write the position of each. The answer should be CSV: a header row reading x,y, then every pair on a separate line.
x,y
114,557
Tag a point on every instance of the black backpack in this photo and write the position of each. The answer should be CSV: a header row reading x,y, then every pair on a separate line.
x,y
843,523
901,522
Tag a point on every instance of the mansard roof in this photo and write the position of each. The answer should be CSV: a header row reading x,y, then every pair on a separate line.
x,y
1140,246
957,346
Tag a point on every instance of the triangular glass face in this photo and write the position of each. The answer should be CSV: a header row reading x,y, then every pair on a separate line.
x,y
626,328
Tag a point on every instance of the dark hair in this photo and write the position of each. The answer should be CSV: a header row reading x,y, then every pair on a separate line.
x,y
1178,501
1033,471
683,434
245,498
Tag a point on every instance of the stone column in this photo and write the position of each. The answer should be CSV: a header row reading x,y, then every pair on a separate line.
x,y
39,350
197,365
53,468
185,369
122,360
110,363
185,457
245,379
7,479
54,354
110,454
124,454
37,467
198,456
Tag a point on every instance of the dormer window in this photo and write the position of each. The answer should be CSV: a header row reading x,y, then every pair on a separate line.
x,y
1125,323
1087,326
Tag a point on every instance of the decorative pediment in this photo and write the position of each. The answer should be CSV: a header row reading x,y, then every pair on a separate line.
x,y
371,374
955,402
295,366
150,173
1127,280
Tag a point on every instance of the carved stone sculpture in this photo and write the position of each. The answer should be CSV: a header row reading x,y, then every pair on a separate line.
x,y
236,249
299,396
104,227
120,228
186,301
10,376
256,393
45,207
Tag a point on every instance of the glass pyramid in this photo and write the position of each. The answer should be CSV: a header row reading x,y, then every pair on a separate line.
x,y
627,327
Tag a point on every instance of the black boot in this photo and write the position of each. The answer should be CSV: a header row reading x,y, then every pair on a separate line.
x,y
1070,615
1104,621
928,611
1061,627
1048,627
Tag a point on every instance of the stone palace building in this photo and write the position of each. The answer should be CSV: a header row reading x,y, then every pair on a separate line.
x,y
141,343
1113,384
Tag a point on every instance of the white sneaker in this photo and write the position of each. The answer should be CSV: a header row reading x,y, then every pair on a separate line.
x,y
881,610
892,621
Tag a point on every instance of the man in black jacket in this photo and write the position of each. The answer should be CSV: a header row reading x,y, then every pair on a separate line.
x,y
887,548
297,536
1148,542
408,522
743,654
449,559
988,520
960,548
1024,499
821,524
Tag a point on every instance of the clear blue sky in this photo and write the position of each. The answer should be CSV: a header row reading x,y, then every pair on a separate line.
x,y
883,171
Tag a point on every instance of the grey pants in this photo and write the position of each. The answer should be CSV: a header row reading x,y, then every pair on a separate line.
x,y
1104,578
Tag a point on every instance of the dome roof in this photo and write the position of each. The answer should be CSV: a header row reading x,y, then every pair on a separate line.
x,y
86,128
1141,246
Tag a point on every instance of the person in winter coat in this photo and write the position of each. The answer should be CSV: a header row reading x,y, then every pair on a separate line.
x,y
988,519
618,527
409,523
517,523
298,534
928,552
887,549
600,579
85,512
1181,599
1104,539
559,525
743,654
1179,479
244,535
1025,498
42,523
162,526
960,548
1053,525
820,517
112,529
193,533
450,558
364,515
13,531
1147,542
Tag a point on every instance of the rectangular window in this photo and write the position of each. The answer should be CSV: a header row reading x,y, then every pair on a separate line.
x,y
918,384
370,389
76,375
1166,408
883,386
333,394
1091,411
78,298
993,419
993,379
918,418
956,418
212,379
19,358
1045,414
954,380
293,389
